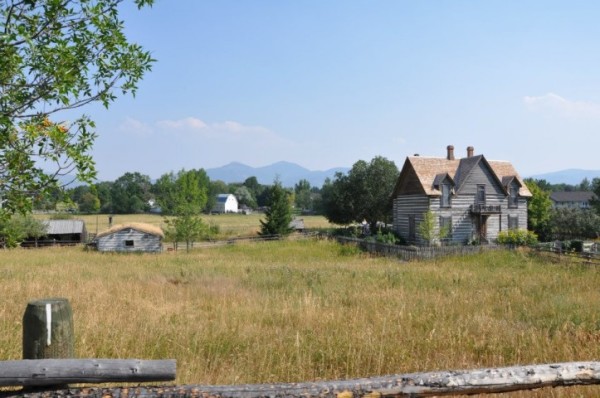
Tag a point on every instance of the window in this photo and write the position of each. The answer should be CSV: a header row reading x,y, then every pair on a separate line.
x,y
445,200
481,194
129,243
513,199
446,228
513,222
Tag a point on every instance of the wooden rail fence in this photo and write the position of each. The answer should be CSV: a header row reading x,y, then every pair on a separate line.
x,y
480,381
410,253
47,333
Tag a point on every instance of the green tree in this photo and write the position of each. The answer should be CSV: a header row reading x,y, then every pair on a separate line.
x,y
363,194
595,202
57,56
429,231
130,193
187,228
245,197
15,229
185,196
574,223
182,193
103,191
89,203
303,197
278,214
539,207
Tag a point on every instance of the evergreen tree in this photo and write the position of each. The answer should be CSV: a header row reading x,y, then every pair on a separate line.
x,y
278,214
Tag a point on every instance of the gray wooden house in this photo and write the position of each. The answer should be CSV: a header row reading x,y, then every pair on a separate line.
x,y
131,237
472,198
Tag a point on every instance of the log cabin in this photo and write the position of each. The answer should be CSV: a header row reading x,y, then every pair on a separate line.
x,y
471,198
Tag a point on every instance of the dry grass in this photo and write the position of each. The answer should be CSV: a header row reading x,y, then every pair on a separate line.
x,y
309,310
230,225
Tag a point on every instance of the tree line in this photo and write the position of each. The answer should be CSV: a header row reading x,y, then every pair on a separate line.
x,y
562,223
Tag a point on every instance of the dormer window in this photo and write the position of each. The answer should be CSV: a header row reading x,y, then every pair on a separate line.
x,y
444,183
513,197
446,200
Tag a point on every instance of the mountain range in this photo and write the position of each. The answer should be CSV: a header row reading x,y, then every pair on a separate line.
x,y
569,176
288,173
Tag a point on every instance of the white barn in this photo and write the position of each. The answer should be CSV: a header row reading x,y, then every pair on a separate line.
x,y
226,203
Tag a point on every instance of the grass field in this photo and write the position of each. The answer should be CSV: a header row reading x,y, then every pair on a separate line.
x,y
230,225
309,310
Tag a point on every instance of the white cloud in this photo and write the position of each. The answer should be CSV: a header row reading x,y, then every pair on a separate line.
x,y
131,125
186,123
552,102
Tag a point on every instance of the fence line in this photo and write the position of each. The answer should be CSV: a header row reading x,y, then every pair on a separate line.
x,y
460,382
409,253
591,258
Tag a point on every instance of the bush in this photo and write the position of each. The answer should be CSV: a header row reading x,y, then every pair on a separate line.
x,y
577,246
517,237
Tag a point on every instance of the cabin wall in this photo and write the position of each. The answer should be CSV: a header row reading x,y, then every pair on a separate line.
x,y
406,206
130,240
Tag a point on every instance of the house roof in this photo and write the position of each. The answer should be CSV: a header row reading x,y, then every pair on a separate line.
x,y
573,196
428,169
222,198
64,227
138,226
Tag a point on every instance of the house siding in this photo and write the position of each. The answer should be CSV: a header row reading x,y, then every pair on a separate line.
x,y
406,206
465,224
142,242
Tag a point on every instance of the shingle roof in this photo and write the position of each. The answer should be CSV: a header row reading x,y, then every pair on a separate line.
x,y
427,168
573,196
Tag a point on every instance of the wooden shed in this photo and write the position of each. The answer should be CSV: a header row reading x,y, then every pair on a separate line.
x,y
66,231
131,237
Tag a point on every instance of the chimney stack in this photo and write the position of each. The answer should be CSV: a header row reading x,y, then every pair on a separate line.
x,y
470,150
450,155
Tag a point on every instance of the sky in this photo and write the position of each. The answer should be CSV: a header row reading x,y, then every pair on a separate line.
x,y
327,83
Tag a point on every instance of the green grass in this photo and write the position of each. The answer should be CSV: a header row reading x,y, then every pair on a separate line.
x,y
309,310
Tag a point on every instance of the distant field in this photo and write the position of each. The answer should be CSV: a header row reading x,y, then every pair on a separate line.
x,y
309,309
230,225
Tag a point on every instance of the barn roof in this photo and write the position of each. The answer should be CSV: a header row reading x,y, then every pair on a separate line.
x,y
64,227
138,226
222,197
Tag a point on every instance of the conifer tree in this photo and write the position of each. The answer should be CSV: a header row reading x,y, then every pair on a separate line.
x,y
278,214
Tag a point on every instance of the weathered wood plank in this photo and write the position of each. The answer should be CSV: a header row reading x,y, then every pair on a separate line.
x,y
492,380
47,372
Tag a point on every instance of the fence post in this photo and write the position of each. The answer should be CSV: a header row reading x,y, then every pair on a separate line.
x,y
48,329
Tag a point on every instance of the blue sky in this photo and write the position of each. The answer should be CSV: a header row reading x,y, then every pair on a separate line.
x,y
326,83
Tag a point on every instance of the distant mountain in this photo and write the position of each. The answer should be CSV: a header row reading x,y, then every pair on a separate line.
x,y
288,173
570,176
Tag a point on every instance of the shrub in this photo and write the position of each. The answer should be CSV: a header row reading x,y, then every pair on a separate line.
x,y
517,237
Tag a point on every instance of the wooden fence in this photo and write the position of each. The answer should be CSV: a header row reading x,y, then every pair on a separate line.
x,y
462,382
409,253
589,255
48,333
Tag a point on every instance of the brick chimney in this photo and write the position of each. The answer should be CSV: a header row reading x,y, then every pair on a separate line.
x,y
450,155
470,150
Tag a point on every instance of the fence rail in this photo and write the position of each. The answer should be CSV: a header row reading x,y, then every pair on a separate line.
x,y
409,253
462,382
